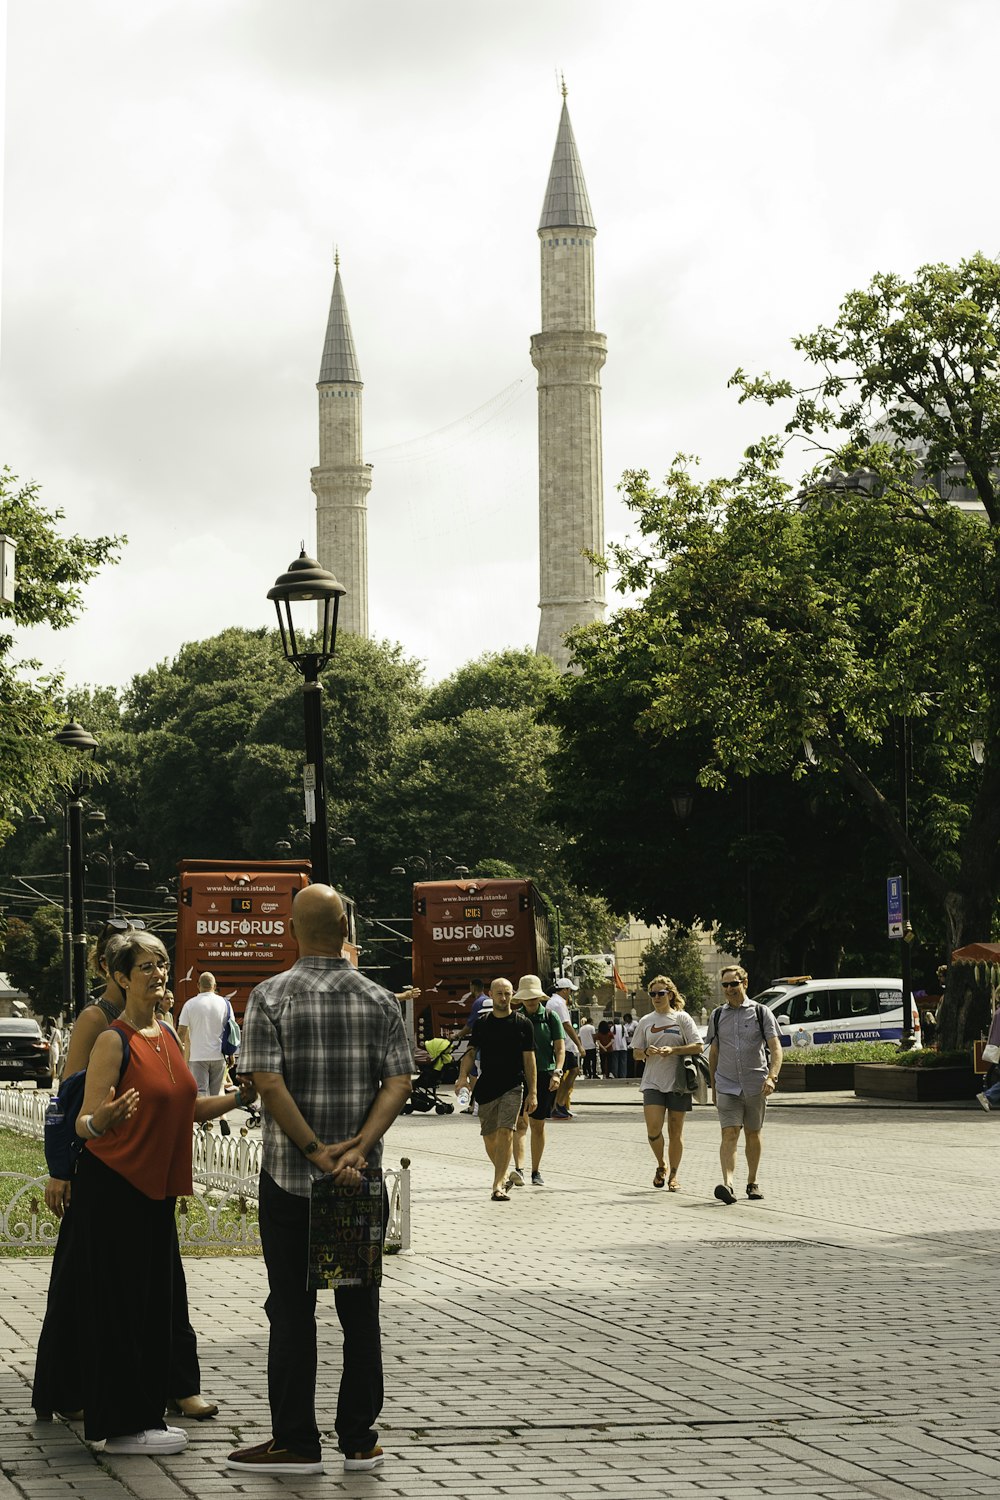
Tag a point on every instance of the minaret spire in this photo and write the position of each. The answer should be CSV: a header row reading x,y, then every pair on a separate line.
x,y
568,355
342,479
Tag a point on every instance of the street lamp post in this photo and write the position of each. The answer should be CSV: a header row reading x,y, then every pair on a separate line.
x,y
37,821
307,584
73,736
112,860
904,753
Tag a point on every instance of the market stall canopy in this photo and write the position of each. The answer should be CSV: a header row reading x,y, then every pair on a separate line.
x,y
977,953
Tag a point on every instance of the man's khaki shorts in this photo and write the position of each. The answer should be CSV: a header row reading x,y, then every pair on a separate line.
x,y
500,1114
746,1110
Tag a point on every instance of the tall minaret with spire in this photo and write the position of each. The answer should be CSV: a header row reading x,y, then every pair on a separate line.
x,y
342,479
568,355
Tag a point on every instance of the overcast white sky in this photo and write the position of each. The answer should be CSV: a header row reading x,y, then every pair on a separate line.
x,y
177,172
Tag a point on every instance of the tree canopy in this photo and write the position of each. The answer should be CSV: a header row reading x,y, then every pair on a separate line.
x,y
857,600
51,571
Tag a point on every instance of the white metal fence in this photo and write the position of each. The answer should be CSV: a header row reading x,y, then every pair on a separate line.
x,y
226,1173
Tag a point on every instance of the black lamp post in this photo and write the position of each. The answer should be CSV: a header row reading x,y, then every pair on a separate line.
x,y
37,821
73,736
113,860
904,760
308,584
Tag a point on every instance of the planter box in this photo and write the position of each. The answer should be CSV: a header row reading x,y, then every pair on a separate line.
x,y
914,1085
815,1078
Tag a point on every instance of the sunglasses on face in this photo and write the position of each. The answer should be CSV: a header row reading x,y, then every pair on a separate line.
x,y
658,994
731,984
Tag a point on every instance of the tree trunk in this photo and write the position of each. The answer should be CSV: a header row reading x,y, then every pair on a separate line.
x,y
967,1007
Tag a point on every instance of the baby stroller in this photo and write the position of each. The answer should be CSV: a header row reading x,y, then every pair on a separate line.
x,y
436,1064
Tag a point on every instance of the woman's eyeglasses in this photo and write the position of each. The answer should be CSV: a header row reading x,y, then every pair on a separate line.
x,y
658,994
154,963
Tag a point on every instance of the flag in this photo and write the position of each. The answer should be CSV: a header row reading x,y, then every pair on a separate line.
x,y
619,981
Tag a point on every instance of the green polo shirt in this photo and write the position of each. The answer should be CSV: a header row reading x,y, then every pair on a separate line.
x,y
548,1030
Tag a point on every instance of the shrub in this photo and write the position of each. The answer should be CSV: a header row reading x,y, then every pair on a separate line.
x,y
846,1052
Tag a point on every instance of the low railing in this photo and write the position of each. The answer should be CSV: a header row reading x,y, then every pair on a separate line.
x,y
23,1110
226,1165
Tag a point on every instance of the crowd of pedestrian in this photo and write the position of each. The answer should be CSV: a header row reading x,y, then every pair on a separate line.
x,y
326,1050
517,1065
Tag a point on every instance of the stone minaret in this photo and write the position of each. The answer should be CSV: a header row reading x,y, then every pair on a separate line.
x,y
568,356
342,480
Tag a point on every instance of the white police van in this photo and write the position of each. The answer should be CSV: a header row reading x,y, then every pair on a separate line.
x,y
811,1012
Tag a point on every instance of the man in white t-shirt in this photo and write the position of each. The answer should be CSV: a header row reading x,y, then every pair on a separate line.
x,y
619,1050
562,990
200,1030
588,1042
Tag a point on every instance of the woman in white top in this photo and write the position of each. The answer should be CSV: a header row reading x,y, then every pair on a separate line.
x,y
662,1039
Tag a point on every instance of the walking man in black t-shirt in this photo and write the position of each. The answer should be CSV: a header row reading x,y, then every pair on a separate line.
x,y
505,1048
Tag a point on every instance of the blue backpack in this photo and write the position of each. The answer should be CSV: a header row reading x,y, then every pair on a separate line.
x,y
62,1144
231,1034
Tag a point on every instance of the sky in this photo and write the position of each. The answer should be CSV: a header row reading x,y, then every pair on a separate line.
x,y
176,174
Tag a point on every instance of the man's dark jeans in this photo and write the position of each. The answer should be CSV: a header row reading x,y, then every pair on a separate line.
x,y
291,1354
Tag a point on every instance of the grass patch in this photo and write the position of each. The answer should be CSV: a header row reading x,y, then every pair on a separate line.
x,y
24,1154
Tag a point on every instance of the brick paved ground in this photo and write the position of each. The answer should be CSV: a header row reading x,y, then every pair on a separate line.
x,y
599,1338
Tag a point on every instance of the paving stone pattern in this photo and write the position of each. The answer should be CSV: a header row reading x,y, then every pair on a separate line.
x,y
597,1337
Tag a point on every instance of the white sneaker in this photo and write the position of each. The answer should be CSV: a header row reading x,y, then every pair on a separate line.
x,y
155,1441
515,1178
984,1102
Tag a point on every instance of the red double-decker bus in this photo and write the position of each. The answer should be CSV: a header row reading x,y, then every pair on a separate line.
x,y
487,929
233,921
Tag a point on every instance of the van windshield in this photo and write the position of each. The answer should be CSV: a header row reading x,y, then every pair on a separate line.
x,y
771,998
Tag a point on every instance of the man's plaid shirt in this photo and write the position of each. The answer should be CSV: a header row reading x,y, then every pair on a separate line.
x,y
333,1035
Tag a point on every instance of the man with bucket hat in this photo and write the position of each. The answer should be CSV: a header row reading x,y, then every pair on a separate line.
x,y
550,1051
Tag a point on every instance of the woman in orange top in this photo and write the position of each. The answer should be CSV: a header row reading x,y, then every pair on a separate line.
x,y
59,1377
135,1163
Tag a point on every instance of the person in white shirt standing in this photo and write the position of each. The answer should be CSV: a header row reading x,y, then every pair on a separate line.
x,y
200,1030
562,989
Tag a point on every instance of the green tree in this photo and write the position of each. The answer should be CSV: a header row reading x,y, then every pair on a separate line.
x,y
51,572
834,611
785,868
469,782
678,955
31,954
223,721
512,680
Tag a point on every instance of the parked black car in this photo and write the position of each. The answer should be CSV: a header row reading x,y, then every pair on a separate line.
x,y
23,1052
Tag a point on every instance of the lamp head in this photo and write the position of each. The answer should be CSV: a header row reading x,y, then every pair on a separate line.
x,y
307,583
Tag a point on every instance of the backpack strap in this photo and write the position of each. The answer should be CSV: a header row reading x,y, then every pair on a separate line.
x,y
760,1022
713,1025
125,1050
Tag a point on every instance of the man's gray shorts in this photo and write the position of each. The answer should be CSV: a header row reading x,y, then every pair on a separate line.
x,y
746,1110
209,1075
500,1114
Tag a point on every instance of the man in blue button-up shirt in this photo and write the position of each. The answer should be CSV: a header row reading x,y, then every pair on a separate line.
x,y
744,1060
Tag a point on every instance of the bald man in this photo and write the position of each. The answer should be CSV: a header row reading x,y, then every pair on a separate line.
x,y
331,1061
